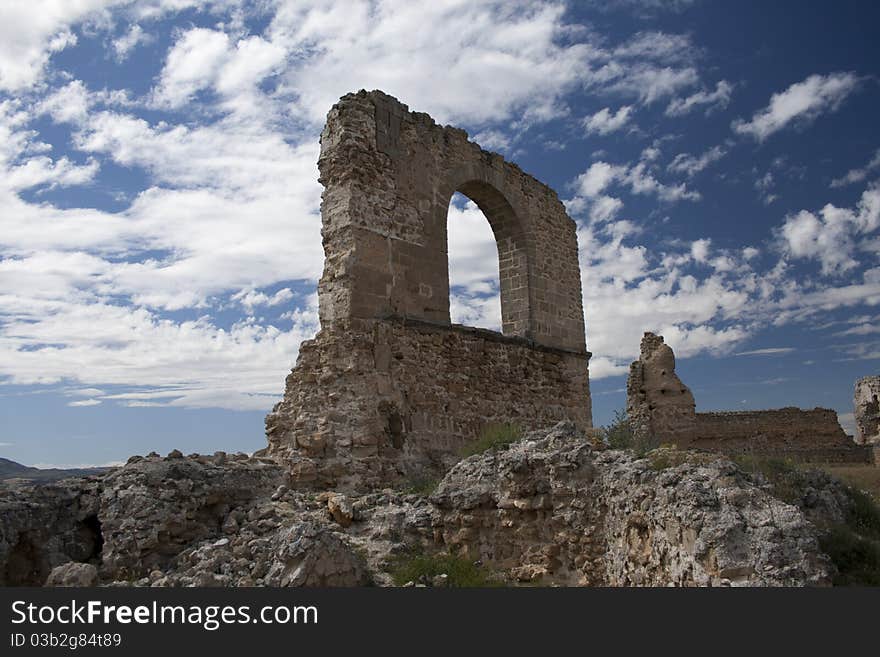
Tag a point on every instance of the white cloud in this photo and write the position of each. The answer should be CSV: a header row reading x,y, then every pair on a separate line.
x,y
719,98
628,291
769,351
802,102
832,235
638,178
700,249
30,32
605,121
194,363
473,254
605,208
493,140
124,45
511,52
858,175
193,64
692,164
85,402
650,83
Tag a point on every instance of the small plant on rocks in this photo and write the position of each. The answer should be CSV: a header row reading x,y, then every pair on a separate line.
x,y
494,436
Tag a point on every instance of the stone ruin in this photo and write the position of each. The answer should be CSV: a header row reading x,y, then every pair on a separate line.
x,y
867,413
390,389
662,411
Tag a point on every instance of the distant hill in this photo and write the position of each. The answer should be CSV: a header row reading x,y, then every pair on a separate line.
x,y
10,471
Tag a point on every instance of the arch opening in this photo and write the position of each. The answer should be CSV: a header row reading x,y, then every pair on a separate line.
x,y
488,264
474,286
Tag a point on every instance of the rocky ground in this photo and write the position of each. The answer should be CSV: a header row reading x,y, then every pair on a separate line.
x,y
551,509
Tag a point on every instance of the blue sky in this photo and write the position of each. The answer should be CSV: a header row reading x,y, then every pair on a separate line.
x,y
159,205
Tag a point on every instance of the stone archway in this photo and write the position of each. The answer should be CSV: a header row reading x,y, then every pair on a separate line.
x,y
513,255
389,388
389,175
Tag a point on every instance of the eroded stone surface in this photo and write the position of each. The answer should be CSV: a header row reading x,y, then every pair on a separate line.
x,y
550,509
661,409
383,402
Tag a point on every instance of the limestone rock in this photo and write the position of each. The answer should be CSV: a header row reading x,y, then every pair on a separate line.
x,y
549,509
73,574
44,526
341,510
311,555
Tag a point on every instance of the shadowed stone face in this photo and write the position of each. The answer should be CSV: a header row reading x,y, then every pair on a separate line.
x,y
389,388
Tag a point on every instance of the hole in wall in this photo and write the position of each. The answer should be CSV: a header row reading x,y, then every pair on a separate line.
x,y
92,537
474,287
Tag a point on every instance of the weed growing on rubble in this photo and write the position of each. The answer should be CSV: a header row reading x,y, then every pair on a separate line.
x,y
493,436
424,568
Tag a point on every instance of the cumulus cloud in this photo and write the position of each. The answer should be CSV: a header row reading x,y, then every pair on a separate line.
x,y
801,103
30,34
637,177
605,121
832,234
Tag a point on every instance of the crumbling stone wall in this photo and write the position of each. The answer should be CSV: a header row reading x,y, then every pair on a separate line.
x,y
867,410
389,388
660,407
801,435
662,410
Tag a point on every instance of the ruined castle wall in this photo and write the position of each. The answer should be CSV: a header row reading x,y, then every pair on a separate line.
x,y
866,403
659,406
662,410
388,400
805,435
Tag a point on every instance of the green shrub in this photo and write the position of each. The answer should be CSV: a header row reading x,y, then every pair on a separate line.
x,y
492,437
422,486
785,479
619,434
423,568
857,558
864,514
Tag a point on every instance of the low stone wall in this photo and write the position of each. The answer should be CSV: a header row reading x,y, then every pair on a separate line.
x,y
805,435
374,402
